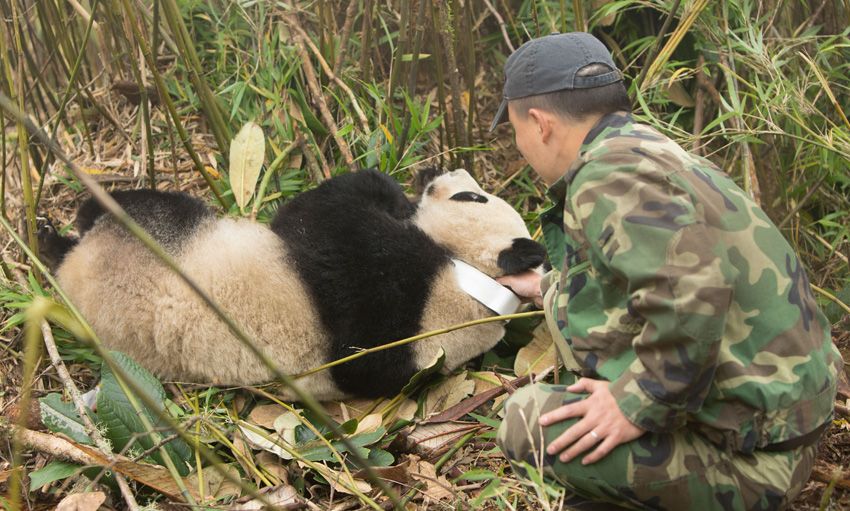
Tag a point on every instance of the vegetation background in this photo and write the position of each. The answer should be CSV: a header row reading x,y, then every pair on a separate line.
x,y
134,93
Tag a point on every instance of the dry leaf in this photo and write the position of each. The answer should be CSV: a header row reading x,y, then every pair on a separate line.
x,y
283,496
369,424
262,439
449,393
339,481
216,486
265,415
247,151
273,464
429,437
484,381
436,488
538,355
82,501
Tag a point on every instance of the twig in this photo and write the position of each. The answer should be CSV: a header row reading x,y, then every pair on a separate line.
x,y
451,64
91,429
364,124
313,84
350,14
699,109
656,48
501,22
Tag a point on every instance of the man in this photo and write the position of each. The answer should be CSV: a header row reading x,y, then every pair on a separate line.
x,y
707,369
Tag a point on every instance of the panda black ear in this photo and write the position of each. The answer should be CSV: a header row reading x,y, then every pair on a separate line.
x,y
524,254
424,177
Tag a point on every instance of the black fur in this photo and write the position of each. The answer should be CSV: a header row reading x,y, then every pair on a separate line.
x,y
469,197
523,254
369,271
424,177
169,217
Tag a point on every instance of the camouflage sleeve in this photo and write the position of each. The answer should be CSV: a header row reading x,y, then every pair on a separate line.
x,y
646,236
549,280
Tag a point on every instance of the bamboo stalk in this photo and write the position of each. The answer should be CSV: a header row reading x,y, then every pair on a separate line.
x,y
395,69
313,84
163,93
656,48
212,107
111,207
364,123
415,338
23,141
411,80
451,64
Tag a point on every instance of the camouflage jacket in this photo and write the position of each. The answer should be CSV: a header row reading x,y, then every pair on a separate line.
x,y
672,284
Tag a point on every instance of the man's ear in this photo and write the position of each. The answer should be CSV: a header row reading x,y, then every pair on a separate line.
x,y
543,123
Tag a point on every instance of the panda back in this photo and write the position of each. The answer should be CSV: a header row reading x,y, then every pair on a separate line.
x,y
368,269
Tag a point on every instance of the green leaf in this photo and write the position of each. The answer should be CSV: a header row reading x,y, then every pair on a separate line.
x,y
118,415
380,458
60,417
423,375
53,471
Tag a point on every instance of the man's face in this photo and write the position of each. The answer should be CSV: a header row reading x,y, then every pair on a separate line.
x,y
525,135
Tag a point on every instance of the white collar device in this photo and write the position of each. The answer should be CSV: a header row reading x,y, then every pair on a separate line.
x,y
486,290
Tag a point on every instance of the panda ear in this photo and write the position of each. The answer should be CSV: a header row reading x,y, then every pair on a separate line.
x,y
424,177
524,254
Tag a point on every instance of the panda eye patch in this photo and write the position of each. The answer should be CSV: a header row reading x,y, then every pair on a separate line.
x,y
469,197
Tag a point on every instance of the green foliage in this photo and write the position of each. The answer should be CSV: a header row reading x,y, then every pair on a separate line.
x,y
117,416
760,88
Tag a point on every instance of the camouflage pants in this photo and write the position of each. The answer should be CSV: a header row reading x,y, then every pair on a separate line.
x,y
675,471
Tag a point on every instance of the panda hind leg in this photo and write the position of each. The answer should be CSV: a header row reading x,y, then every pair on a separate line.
x,y
52,246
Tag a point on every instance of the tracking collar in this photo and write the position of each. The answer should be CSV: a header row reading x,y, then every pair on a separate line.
x,y
486,290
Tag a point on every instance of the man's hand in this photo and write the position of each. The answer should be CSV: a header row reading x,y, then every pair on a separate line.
x,y
525,285
602,424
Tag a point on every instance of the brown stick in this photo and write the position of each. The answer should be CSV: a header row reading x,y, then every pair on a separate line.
x,y
313,84
825,474
364,124
699,110
451,63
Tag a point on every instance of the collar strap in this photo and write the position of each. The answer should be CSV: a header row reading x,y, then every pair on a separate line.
x,y
486,290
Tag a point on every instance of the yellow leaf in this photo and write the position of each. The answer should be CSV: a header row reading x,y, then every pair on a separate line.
x,y
387,134
247,151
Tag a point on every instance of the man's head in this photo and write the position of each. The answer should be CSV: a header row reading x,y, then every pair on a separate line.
x,y
571,75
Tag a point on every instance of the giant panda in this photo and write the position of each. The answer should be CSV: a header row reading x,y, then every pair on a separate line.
x,y
350,264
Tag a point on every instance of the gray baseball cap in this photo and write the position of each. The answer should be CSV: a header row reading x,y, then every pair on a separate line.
x,y
550,63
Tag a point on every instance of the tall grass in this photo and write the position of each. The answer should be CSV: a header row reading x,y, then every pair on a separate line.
x,y
760,88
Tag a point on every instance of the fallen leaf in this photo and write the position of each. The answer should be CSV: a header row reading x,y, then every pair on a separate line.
x,y
263,439
436,487
266,414
537,355
283,496
449,393
82,501
369,424
429,437
339,481
216,486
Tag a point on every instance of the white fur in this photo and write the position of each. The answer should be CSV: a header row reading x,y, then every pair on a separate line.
x,y
138,306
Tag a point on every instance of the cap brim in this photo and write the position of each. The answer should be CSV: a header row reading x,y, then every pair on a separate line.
x,y
501,115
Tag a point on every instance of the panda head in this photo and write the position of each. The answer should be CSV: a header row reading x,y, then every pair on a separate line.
x,y
476,227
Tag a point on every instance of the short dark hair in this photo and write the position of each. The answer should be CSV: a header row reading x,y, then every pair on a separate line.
x,y
576,105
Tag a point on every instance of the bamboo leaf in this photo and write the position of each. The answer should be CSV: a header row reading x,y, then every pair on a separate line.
x,y
246,159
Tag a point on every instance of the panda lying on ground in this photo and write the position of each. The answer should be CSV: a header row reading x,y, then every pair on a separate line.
x,y
350,264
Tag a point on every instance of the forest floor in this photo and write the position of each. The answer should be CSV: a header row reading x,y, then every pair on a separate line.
x,y
114,167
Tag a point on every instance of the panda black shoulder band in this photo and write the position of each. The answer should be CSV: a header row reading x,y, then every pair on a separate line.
x,y
486,290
